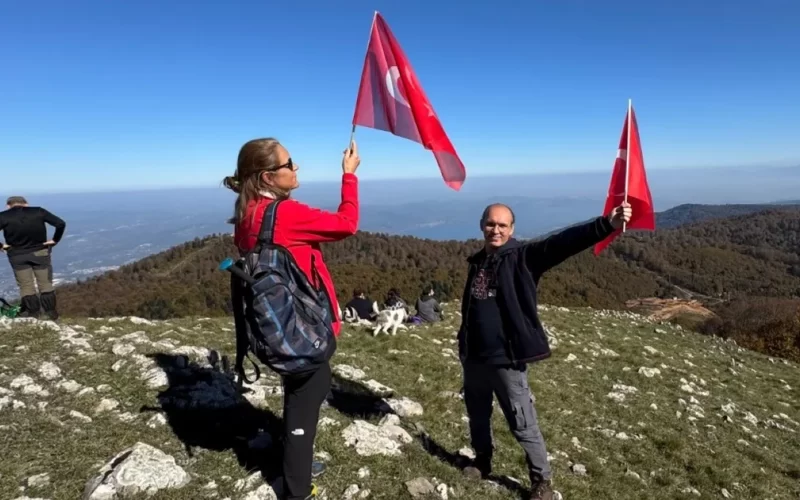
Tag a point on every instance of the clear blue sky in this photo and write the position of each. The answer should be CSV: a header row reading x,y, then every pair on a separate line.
x,y
98,94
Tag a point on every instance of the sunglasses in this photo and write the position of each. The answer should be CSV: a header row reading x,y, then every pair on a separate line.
x,y
289,164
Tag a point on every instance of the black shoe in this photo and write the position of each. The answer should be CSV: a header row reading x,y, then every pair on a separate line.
x,y
48,301
30,306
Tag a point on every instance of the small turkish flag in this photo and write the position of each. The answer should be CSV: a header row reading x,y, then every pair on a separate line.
x,y
629,177
390,98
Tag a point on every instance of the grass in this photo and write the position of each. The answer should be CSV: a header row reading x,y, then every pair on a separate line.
x,y
685,442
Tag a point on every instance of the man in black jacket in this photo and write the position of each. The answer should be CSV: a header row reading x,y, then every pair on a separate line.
x,y
501,333
28,251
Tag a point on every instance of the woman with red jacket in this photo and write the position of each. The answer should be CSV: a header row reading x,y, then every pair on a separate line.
x,y
265,172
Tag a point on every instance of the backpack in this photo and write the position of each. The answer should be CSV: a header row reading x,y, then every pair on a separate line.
x,y
280,316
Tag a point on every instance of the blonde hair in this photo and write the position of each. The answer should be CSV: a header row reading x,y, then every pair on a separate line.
x,y
255,157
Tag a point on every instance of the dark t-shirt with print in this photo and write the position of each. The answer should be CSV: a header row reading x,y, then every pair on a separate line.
x,y
485,340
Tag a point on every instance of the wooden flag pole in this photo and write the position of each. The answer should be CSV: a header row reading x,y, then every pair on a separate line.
x,y
627,157
353,130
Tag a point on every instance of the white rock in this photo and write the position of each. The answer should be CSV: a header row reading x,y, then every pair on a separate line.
x,y
122,349
348,372
139,470
264,492
140,321
350,492
25,384
378,389
649,372
49,371
630,473
404,407
80,416
571,357
247,483
363,472
467,452
156,420
579,469
69,385
106,404
38,481
368,439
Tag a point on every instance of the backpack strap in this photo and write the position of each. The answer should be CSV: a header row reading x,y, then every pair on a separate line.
x,y
240,322
267,231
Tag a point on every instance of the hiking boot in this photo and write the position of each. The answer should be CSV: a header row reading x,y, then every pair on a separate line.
x,y
542,489
30,307
48,303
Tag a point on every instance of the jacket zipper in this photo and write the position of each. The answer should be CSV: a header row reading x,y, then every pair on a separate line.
x,y
509,347
470,272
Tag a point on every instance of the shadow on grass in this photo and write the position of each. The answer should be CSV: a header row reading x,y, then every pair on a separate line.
x,y
206,409
461,462
355,400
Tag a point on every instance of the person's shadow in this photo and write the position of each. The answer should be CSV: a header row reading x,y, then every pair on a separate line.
x,y
355,400
206,409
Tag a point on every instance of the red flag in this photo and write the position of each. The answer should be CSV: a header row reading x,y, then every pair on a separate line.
x,y
390,98
630,162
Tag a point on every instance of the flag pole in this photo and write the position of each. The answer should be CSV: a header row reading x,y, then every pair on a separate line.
x,y
371,27
627,157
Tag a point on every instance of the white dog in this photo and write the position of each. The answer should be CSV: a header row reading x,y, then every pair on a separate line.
x,y
392,317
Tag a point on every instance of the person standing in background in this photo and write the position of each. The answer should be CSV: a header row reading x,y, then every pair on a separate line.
x,y
29,253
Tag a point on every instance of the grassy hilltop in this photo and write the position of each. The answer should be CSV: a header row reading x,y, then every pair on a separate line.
x,y
630,409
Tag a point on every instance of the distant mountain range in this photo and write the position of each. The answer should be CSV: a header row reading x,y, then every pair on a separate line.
x,y
738,257
101,240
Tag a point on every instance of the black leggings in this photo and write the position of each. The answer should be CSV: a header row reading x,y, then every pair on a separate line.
x,y
303,397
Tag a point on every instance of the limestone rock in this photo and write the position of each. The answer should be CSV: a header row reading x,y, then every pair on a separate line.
x,y
138,470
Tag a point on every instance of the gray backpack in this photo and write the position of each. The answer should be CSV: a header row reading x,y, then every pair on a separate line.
x,y
280,316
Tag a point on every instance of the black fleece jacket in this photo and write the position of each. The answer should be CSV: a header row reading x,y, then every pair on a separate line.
x,y
517,269
25,231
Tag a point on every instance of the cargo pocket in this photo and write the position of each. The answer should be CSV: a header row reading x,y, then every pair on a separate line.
x,y
521,418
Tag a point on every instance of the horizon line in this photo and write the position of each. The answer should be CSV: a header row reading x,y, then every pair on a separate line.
x,y
395,179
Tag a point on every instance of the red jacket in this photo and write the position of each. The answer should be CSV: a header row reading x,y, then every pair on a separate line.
x,y
301,229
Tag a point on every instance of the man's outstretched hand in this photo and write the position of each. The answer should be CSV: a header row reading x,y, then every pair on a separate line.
x,y
620,215
5,247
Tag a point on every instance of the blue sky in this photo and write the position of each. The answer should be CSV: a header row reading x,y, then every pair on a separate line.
x,y
114,95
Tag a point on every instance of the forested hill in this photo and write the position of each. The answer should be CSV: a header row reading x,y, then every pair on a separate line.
x,y
692,212
755,254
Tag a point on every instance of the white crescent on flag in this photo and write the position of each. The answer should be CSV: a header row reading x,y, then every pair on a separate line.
x,y
392,74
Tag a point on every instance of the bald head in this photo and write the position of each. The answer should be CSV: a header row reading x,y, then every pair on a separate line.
x,y
497,206
497,224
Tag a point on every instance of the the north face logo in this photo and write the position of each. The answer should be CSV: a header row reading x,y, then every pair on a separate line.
x,y
316,344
